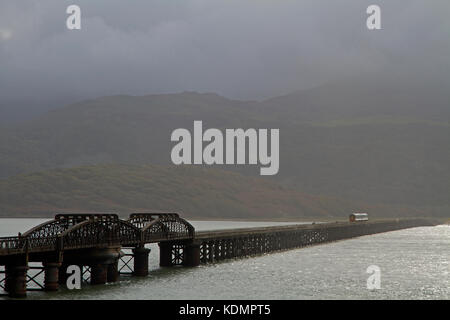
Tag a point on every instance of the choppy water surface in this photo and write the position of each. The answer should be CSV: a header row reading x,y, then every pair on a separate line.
x,y
414,263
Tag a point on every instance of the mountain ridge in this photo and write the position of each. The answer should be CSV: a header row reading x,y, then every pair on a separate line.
x,y
393,150
191,191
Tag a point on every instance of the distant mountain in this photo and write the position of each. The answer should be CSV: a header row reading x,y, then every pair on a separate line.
x,y
192,191
370,140
111,129
378,140
365,99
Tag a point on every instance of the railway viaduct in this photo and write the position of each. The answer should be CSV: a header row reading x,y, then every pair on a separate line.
x,y
96,241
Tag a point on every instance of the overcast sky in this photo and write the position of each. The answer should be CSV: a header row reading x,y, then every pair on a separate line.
x,y
246,49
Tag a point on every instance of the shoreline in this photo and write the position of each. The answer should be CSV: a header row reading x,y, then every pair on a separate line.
x,y
206,219
250,219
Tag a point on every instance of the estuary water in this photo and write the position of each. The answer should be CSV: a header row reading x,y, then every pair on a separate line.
x,y
413,263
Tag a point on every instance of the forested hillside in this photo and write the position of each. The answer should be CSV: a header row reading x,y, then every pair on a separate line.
x,y
367,141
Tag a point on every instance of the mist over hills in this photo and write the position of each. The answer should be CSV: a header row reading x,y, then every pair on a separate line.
x,y
374,141
371,97
192,191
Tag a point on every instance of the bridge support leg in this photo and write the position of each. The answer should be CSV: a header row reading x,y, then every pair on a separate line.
x,y
62,274
192,255
51,279
8,277
165,254
17,286
140,261
211,251
216,250
99,273
113,272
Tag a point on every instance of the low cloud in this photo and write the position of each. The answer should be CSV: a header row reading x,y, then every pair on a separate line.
x,y
248,49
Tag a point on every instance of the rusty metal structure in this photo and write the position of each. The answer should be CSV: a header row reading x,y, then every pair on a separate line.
x,y
95,243
156,227
88,240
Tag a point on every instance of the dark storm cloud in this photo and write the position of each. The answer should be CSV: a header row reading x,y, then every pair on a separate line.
x,y
238,48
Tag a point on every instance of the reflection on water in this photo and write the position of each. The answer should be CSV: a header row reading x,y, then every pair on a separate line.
x,y
414,264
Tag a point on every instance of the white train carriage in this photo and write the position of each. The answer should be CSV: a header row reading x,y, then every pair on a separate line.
x,y
357,217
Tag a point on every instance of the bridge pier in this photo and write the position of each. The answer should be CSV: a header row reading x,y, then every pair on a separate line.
x,y
99,273
165,254
62,274
17,283
210,245
217,256
191,255
112,274
8,277
103,263
174,253
140,261
51,276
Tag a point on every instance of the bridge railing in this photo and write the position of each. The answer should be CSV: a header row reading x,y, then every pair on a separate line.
x,y
12,245
43,244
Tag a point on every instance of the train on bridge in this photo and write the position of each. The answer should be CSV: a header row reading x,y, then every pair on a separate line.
x,y
358,217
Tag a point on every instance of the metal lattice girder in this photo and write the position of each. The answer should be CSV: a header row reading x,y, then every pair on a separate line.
x,y
100,230
46,236
82,230
158,227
